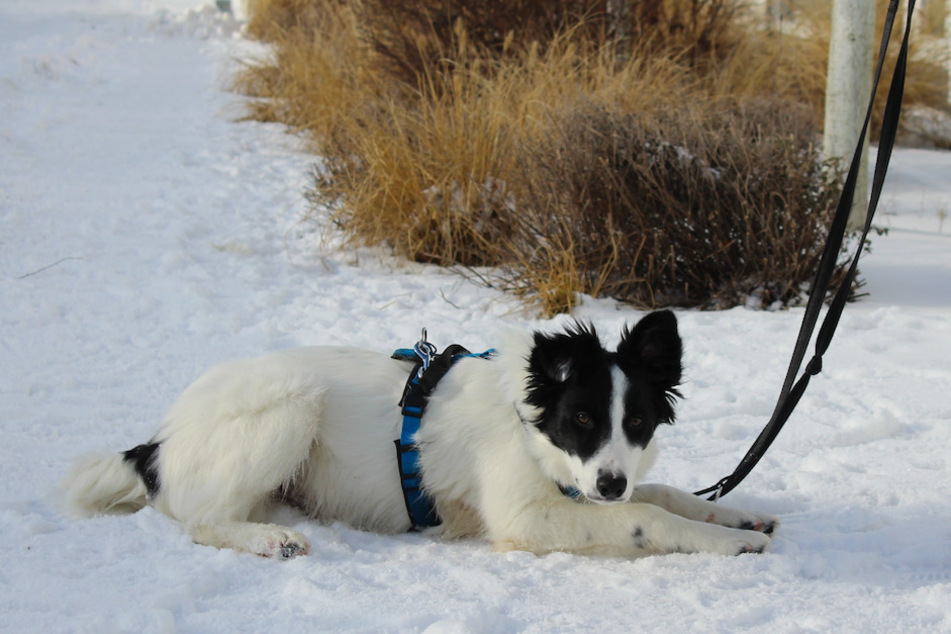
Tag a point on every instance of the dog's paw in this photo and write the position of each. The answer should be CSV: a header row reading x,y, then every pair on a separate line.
x,y
723,540
731,518
747,541
761,523
281,543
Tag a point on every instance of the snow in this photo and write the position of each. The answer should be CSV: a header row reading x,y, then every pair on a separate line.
x,y
146,234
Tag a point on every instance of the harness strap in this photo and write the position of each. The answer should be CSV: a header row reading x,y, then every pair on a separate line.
x,y
791,392
427,371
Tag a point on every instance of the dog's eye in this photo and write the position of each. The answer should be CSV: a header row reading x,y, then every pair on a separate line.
x,y
634,422
583,419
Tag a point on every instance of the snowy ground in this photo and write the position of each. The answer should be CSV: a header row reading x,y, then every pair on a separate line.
x,y
145,235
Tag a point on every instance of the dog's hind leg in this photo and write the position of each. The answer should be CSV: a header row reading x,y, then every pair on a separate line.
x,y
221,506
266,540
226,452
694,508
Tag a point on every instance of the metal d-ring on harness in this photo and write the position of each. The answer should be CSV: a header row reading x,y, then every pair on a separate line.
x,y
791,392
429,368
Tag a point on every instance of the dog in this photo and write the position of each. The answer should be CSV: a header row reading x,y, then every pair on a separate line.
x,y
502,439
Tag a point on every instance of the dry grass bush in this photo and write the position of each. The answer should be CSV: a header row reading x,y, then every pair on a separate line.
x,y
682,207
435,181
700,32
421,38
422,180
272,19
321,76
508,135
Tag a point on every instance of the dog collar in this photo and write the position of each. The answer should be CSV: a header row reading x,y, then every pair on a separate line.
x,y
566,489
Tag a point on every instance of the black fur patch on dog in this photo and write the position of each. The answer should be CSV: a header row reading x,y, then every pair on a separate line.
x,y
570,381
143,458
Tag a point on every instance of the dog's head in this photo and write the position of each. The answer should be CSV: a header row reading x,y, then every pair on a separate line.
x,y
596,410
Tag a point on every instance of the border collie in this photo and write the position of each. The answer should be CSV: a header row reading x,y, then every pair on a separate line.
x,y
501,441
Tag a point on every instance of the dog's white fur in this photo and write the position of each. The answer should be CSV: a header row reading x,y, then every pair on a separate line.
x,y
317,425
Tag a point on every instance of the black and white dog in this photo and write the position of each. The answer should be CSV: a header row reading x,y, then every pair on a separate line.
x,y
501,439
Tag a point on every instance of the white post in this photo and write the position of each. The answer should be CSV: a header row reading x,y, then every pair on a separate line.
x,y
848,87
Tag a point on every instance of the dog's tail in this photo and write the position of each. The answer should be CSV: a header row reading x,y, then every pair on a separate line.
x,y
104,484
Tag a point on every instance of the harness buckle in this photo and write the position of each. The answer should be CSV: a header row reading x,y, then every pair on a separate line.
x,y
425,351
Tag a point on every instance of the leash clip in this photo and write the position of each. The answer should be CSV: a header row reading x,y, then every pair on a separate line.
x,y
425,351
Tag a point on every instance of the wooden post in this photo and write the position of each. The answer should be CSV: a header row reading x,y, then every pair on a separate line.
x,y
848,87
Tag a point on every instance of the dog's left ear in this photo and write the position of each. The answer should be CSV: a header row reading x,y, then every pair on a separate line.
x,y
654,346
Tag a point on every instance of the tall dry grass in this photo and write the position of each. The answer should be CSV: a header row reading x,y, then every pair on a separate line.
x,y
516,140
438,181
321,77
685,206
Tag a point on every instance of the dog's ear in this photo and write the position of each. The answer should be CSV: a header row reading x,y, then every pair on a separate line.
x,y
554,356
654,346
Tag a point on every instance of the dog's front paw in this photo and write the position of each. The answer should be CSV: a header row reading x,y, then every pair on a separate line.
x,y
731,541
723,540
281,543
760,523
746,541
731,518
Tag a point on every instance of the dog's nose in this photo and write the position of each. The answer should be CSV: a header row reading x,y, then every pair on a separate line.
x,y
611,486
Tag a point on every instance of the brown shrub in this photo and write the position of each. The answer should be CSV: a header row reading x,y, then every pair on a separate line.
x,y
422,181
422,38
434,178
272,20
508,135
419,38
682,208
699,31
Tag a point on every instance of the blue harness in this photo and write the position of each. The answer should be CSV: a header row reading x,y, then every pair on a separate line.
x,y
429,368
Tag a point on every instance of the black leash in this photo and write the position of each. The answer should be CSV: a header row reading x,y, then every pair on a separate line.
x,y
791,393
